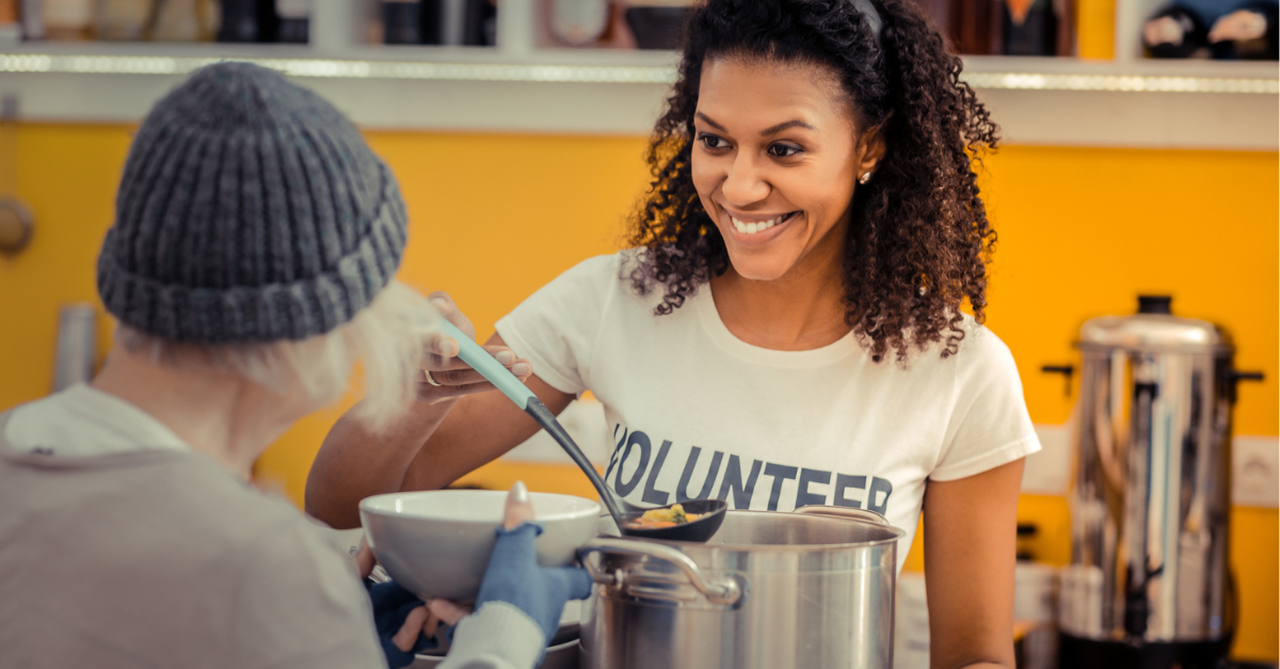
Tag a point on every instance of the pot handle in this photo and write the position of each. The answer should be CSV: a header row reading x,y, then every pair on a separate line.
x,y
843,512
725,591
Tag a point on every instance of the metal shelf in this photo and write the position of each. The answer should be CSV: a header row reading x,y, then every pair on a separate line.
x,y
519,87
599,66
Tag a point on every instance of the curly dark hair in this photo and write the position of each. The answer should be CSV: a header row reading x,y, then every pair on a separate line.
x,y
919,236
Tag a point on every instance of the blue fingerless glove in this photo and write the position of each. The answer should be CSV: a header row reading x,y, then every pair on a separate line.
x,y
391,605
514,577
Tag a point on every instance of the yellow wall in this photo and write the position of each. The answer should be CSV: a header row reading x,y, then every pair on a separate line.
x,y
1082,231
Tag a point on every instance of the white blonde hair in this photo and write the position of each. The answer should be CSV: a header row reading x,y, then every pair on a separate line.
x,y
386,337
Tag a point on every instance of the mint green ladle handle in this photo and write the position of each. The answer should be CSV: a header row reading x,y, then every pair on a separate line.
x,y
473,354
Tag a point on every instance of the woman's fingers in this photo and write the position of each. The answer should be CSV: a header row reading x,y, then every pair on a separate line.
x,y
444,376
407,637
445,305
440,347
459,374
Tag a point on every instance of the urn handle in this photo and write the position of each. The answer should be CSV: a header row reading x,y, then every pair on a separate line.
x,y
724,591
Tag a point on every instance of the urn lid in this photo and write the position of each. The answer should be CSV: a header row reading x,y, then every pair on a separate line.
x,y
1153,327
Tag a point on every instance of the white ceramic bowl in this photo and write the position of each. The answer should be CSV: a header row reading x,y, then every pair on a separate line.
x,y
436,543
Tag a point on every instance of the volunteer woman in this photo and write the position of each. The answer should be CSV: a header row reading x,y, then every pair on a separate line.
x,y
788,329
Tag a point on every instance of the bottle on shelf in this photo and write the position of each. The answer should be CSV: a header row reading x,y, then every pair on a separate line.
x,y
295,21
401,22
433,24
459,22
480,23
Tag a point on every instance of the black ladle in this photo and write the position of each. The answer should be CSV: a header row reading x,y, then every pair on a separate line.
x,y
624,514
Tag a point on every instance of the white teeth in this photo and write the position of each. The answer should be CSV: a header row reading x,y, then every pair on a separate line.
x,y
753,228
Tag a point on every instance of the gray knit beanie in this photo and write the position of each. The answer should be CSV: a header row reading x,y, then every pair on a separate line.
x,y
250,210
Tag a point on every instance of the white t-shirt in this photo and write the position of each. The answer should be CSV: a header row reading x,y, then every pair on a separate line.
x,y
696,412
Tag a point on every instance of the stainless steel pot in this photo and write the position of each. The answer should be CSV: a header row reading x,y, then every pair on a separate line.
x,y
771,590
1151,491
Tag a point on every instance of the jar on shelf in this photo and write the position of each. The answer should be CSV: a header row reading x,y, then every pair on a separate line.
x,y
121,20
184,20
584,23
67,19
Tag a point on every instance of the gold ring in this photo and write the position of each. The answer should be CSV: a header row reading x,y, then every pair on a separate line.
x,y
431,380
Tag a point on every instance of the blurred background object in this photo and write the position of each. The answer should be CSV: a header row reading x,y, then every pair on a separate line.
x,y
247,21
401,22
183,20
438,22
657,24
1175,31
67,19
583,23
122,20
1006,27
16,225
77,344
1219,29
295,21
16,220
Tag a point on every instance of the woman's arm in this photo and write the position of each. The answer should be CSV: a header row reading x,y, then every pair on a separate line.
x,y
478,430
431,447
969,554
455,426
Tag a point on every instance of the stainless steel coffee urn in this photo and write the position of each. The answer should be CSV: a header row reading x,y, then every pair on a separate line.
x,y
1148,585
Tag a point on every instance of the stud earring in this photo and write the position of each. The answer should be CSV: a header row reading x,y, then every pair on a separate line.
x,y
866,176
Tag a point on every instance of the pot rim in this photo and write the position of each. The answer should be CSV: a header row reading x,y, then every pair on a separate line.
x,y
779,548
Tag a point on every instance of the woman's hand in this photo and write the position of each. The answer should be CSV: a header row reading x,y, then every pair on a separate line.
x,y
444,376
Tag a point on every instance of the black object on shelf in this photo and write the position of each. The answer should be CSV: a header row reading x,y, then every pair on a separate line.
x,y
480,23
248,21
657,27
402,22
294,31
431,22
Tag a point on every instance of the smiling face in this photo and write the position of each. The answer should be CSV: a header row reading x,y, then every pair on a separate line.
x,y
775,161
